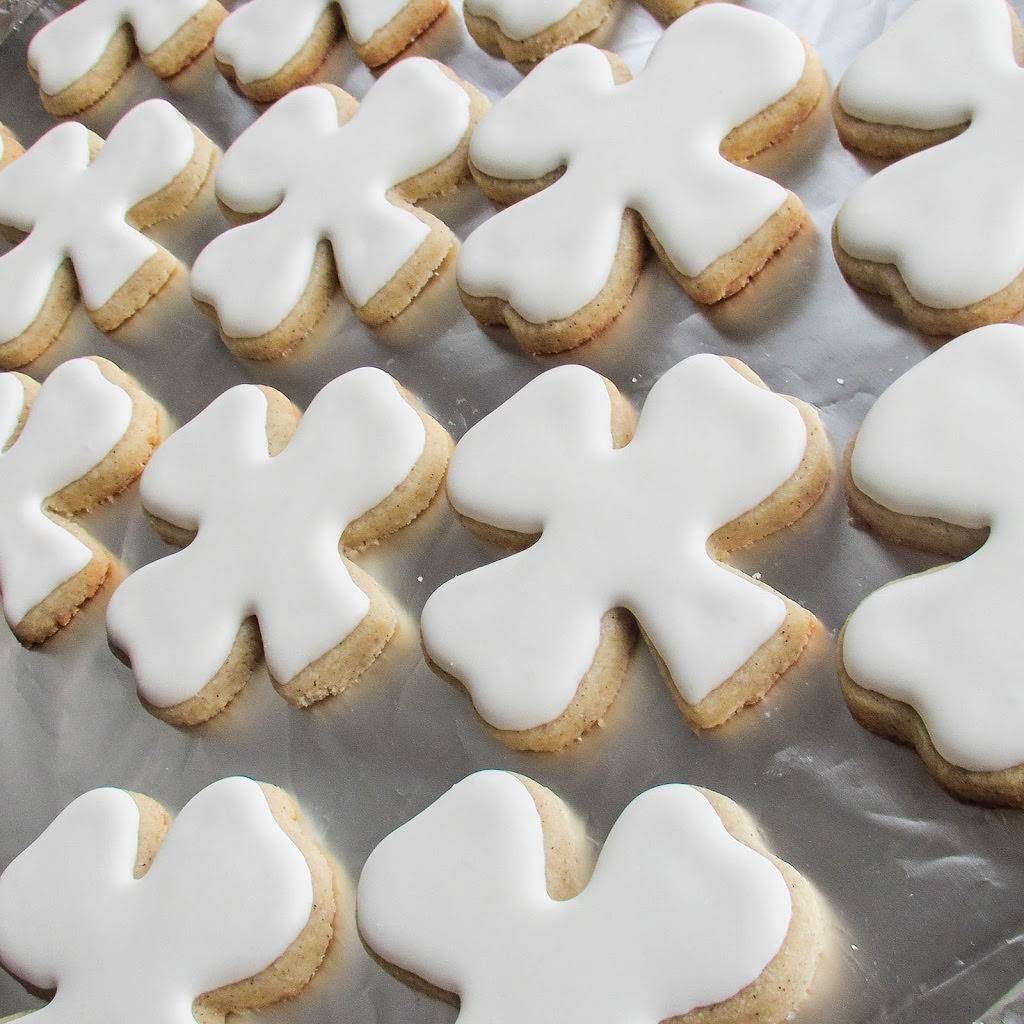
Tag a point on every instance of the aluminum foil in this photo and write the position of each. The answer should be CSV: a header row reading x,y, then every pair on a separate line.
x,y
924,892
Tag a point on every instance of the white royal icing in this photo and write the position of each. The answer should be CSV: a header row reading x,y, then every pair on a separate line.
x,y
64,50
77,417
322,180
260,37
624,527
951,218
268,532
226,895
651,144
520,19
678,914
74,207
943,441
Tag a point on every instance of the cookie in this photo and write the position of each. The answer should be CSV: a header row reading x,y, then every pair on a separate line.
x,y
336,182
233,893
268,509
80,205
525,31
486,895
938,230
654,157
79,56
9,146
268,47
931,660
65,447
541,639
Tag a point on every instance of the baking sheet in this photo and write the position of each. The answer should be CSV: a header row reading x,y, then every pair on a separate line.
x,y
925,893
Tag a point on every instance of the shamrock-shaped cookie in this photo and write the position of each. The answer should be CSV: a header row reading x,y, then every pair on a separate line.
x,y
624,525
65,447
337,182
483,895
128,916
932,659
269,47
940,230
267,504
81,205
593,161
78,57
524,31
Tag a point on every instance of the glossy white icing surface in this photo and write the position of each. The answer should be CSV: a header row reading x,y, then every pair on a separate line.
x,y
651,144
951,218
268,532
520,19
258,38
325,181
226,895
944,441
678,914
64,50
77,417
74,208
624,527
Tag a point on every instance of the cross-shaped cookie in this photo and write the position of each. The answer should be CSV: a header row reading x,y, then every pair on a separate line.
x,y
81,205
940,229
266,504
65,447
482,895
336,181
593,160
623,525
130,916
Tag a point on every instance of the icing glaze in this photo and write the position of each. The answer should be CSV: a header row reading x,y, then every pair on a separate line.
x,y
626,146
226,894
678,914
951,218
64,50
77,417
322,180
260,37
520,19
942,442
73,206
268,532
624,527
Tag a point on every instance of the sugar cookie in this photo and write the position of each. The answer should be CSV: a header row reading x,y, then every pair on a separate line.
x,y
654,156
931,660
626,524
336,181
80,55
129,915
268,47
266,505
81,205
686,917
938,231
65,447
525,31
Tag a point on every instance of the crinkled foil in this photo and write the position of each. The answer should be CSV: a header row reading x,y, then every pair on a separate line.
x,y
926,894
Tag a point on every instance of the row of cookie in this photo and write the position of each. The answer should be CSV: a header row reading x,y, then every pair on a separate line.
x,y
489,894
336,181
614,524
269,48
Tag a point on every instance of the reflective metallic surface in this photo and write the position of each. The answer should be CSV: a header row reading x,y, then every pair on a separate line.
x,y
926,894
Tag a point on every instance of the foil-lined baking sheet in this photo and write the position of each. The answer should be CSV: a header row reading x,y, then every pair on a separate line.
x,y
926,894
